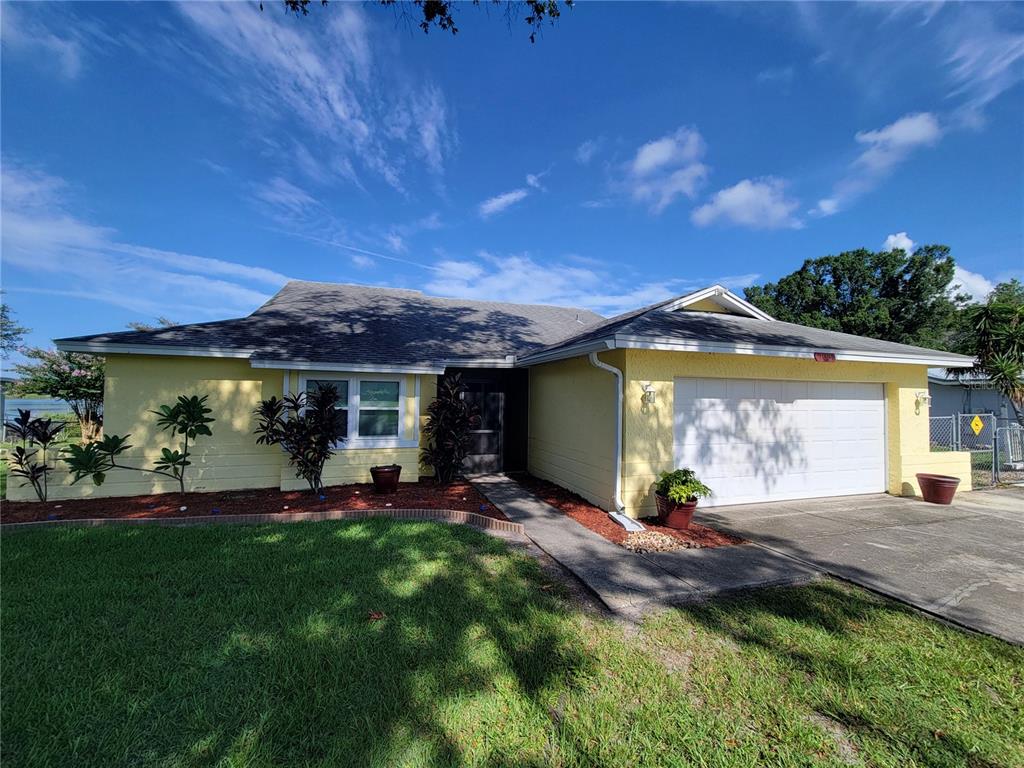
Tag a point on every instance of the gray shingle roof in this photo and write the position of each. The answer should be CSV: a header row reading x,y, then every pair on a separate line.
x,y
724,329
338,323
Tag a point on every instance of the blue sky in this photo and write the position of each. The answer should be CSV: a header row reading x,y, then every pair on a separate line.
x,y
185,160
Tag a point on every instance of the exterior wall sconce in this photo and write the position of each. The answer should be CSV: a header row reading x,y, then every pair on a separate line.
x,y
650,395
921,399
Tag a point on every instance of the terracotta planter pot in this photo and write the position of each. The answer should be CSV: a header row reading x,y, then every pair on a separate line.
x,y
674,515
938,489
385,478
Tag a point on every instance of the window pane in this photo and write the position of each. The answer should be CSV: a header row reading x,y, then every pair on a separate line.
x,y
313,385
382,394
378,423
343,426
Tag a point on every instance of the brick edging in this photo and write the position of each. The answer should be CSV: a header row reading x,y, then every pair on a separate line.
x,y
442,515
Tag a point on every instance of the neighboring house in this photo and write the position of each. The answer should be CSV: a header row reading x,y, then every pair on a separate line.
x,y
967,393
761,409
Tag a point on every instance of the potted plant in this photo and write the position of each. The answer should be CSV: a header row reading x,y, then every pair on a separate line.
x,y
676,495
385,478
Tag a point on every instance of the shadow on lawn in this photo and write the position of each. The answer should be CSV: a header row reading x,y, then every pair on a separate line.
x,y
258,644
823,633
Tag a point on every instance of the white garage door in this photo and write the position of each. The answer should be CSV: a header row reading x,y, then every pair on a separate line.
x,y
752,440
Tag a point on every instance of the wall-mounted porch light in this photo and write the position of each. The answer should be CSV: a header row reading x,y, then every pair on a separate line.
x,y
650,395
921,399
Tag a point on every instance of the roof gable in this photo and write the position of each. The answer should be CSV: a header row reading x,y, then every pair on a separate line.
x,y
717,299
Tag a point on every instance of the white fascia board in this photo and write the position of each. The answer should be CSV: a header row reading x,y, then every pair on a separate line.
x,y
509,361
353,367
677,345
563,354
108,348
723,296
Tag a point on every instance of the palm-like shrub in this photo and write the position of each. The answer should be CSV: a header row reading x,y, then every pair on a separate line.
x,y
308,426
29,460
187,417
449,421
681,486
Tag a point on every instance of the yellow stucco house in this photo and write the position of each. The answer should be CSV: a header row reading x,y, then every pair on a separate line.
x,y
761,409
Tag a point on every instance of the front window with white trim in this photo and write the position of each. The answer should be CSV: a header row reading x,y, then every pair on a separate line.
x,y
372,408
341,385
378,408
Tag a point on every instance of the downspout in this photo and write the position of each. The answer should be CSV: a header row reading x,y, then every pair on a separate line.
x,y
618,515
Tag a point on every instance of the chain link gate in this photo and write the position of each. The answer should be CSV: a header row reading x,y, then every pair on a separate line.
x,y
976,433
1009,456
942,433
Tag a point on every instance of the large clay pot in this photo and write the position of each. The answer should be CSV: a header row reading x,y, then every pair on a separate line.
x,y
385,478
673,515
938,489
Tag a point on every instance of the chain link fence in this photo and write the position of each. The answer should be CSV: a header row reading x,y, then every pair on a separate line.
x,y
975,433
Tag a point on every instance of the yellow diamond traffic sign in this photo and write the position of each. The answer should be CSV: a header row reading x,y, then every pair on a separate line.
x,y
977,425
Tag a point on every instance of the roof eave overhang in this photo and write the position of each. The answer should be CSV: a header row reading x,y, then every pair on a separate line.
x,y
321,365
764,350
111,348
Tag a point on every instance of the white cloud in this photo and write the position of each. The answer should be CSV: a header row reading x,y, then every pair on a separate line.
x,y
885,148
974,285
327,88
985,58
284,196
499,203
362,261
533,180
683,147
754,203
890,145
899,241
585,152
781,75
395,242
42,236
29,34
579,283
667,168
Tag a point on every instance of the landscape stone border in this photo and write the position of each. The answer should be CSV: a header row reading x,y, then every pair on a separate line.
x,y
440,515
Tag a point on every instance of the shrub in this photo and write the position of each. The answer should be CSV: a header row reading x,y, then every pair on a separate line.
x,y
308,426
682,486
449,421
187,417
27,460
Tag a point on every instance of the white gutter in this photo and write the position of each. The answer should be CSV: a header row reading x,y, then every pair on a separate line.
x,y
618,515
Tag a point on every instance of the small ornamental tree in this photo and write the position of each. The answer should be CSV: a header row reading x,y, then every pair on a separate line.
x,y
308,426
187,417
449,421
29,460
75,378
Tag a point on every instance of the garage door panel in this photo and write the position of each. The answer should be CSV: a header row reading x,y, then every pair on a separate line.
x,y
756,440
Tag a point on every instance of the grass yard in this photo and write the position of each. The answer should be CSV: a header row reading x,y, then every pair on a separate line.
x,y
255,646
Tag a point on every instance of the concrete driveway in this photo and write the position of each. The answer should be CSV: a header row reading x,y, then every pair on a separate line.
x,y
964,562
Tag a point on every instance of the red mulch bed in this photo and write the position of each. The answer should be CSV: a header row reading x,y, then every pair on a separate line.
x,y
597,520
420,495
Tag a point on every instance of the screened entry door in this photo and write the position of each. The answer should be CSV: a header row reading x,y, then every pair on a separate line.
x,y
485,445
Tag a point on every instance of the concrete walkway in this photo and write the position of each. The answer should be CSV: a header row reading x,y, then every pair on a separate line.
x,y
631,584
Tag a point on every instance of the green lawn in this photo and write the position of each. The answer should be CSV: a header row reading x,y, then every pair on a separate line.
x,y
252,646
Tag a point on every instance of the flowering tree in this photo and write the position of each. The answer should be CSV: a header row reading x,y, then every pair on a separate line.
x,y
75,378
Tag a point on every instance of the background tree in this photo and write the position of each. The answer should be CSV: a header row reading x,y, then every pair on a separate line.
x,y
440,13
75,378
10,332
161,322
449,420
889,295
993,333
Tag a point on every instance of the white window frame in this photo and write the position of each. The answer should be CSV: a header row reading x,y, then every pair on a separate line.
x,y
354,441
